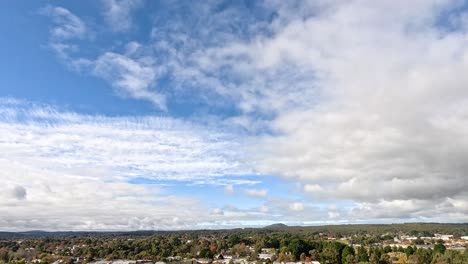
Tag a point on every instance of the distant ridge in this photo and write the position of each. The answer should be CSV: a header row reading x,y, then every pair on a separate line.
x,y
276,226
344,229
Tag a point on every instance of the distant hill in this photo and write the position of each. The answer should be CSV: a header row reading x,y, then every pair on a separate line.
x,y
276,226
460,229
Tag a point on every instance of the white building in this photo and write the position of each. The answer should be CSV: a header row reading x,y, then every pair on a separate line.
x,y
124,262
443,237
265,256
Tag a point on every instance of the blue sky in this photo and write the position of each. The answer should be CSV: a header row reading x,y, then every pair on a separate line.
x,y
126,115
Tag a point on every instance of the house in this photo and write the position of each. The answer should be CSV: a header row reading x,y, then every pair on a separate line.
x,y
443,237
124,262
265,256
102,262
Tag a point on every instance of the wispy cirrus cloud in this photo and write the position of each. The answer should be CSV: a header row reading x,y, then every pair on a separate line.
x,y
67,27
66,24
118,13
130,77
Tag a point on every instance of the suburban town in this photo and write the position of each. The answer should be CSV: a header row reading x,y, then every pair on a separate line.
x,y
277,244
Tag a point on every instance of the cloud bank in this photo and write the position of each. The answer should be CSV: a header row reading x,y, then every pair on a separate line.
x,y
66,171
387,132
363,103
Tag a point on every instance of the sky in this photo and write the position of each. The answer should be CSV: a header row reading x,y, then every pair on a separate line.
x,y
170,115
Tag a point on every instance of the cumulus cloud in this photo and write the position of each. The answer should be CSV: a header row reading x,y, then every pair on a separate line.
x,y
259,193
275,210
388,126
296,206
217,211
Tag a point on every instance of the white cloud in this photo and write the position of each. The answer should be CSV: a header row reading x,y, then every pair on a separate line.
x,y
130,74
313,188
263,209
162,148
388,122
66,24
366,100
130,77
259,193
229,189
217,211
118,13
296,206
352,120
66,30
66,171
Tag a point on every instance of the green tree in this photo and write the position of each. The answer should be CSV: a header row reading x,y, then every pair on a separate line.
x,y
362,253
234,240
387,249
385,259
347,251
314,254
439,248
330,254
409,251
206,253
374,258
296,247
423,256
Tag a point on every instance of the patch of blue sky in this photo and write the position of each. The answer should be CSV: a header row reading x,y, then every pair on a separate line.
x,y
453,19
59,85
212,190
31,72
